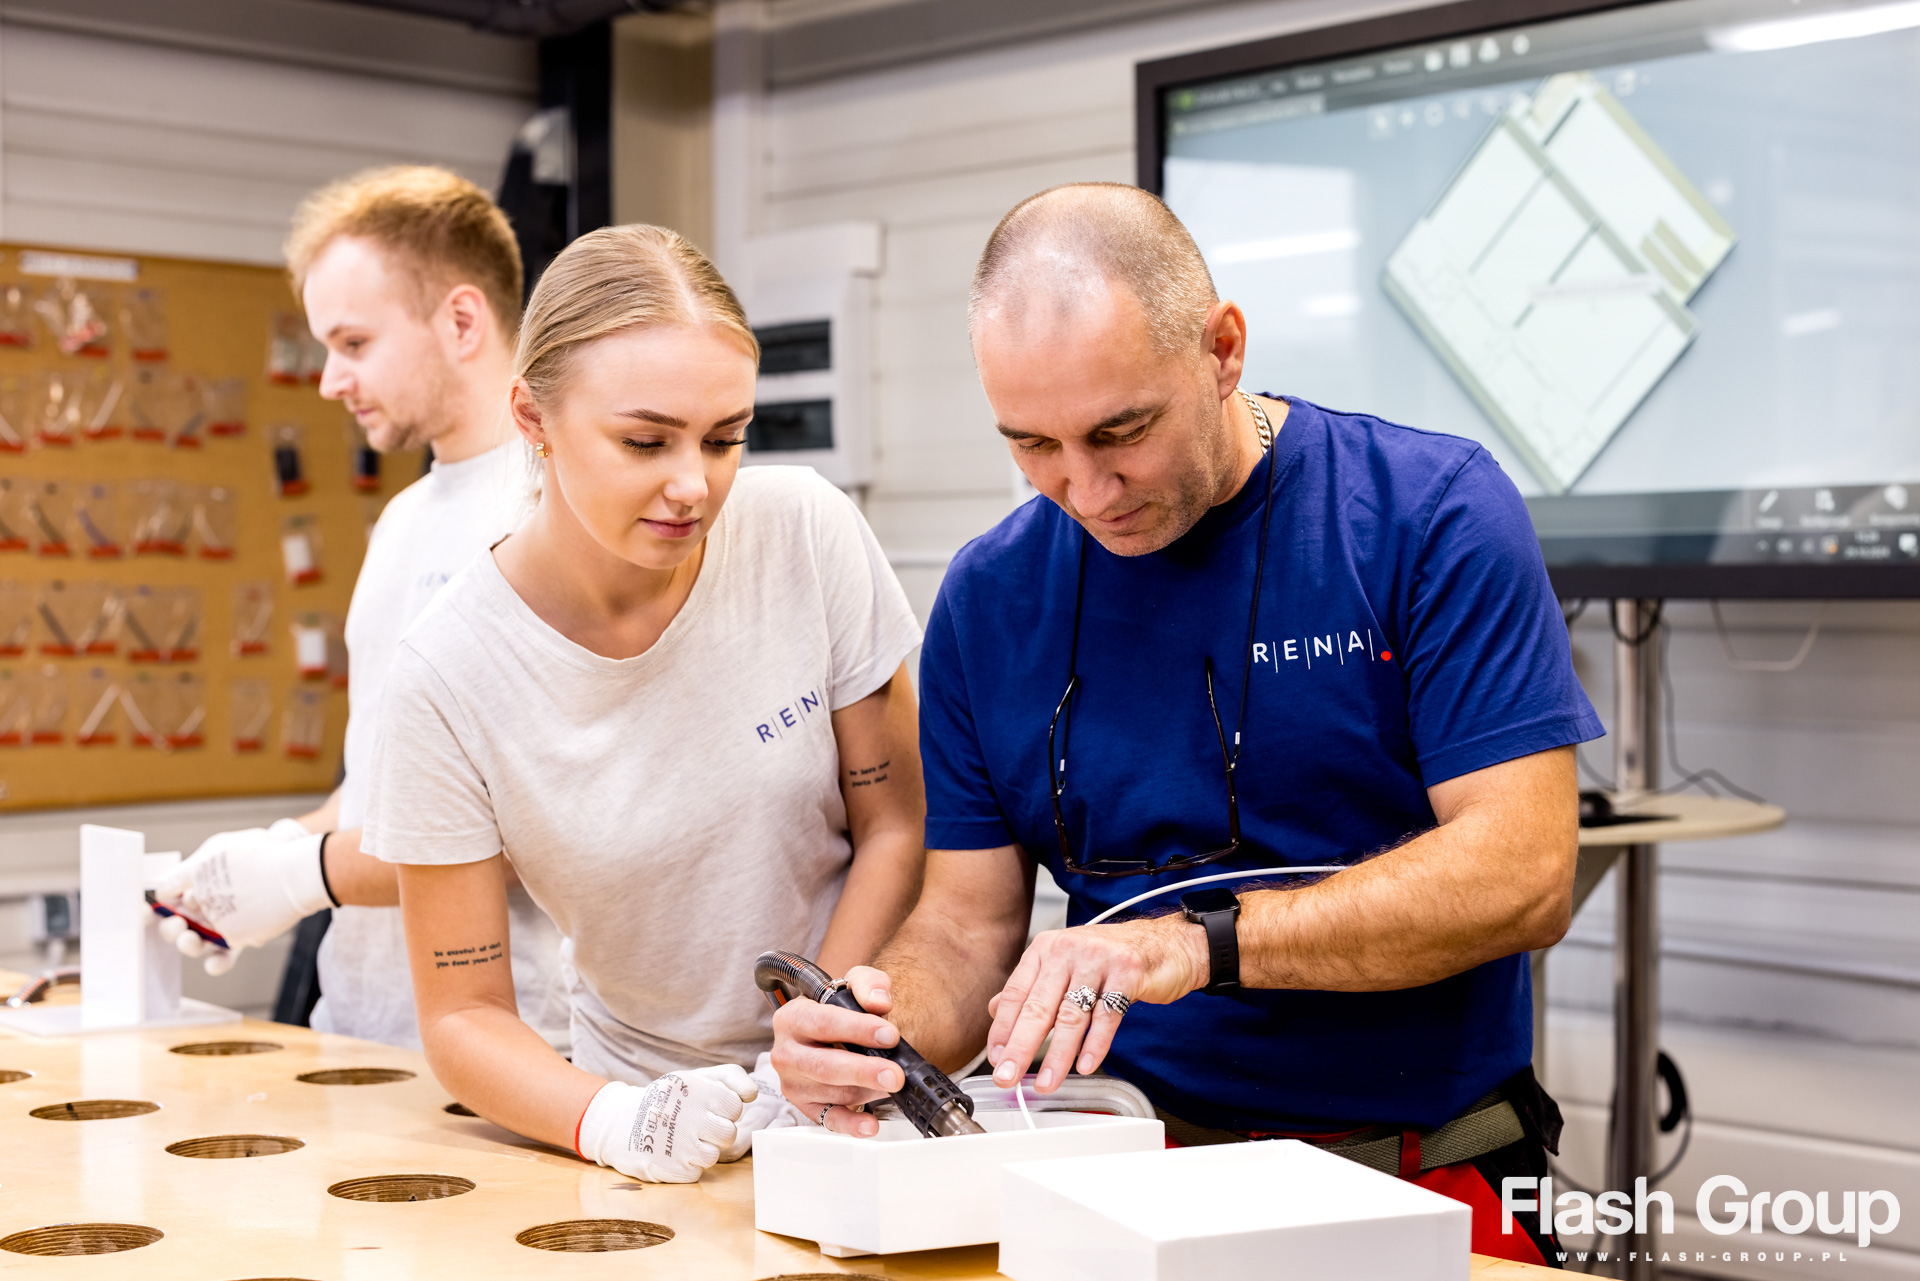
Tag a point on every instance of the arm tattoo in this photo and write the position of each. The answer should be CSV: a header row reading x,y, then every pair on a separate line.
x,y
870,775
455,957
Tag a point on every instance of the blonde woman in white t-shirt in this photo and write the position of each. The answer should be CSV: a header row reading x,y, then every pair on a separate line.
x,y
675,700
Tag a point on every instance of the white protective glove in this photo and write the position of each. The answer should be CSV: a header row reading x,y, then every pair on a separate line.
x,y
669,1131
248,887
770,1111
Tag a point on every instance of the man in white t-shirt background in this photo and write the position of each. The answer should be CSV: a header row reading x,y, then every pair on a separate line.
x,y
411,277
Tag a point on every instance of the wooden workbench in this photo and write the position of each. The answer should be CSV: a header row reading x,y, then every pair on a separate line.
x,y
271,1215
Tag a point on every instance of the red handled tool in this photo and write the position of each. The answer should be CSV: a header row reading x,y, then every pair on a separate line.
x,y
161,909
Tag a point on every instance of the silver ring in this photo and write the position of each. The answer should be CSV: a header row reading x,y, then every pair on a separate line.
x,y
1116,1001
823,1114
1082,998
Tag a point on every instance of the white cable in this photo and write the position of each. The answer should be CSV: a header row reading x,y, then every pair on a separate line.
x,y
1217,876
1020,1097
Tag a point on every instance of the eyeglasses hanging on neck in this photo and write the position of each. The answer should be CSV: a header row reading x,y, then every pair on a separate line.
x,y
1059,729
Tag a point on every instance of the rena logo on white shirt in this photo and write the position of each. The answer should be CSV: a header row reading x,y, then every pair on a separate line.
x,y
1324,649
793,716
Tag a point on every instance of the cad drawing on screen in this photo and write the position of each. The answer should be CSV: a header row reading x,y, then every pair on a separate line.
x,y
1553,274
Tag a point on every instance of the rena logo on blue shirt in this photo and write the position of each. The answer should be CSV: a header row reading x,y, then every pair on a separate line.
x,y
1327,649
793,716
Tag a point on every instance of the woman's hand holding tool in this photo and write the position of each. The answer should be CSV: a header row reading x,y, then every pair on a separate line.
x,y
248,886
670,1131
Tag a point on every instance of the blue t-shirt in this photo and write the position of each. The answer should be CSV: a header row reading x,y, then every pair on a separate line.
x,y
1407,635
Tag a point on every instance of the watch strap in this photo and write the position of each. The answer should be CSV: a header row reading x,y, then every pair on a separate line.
x,y
1223,951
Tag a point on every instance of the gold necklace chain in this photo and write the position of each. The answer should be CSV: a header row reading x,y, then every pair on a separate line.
x,y
1261,423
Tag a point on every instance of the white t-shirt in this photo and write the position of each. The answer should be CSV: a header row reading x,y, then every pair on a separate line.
x,y
426,535
676,813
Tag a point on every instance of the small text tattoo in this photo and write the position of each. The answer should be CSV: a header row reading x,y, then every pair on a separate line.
x,y
458,956
870,775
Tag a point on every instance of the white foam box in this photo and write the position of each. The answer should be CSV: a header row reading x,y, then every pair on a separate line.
x,y
1271,1210
899,1191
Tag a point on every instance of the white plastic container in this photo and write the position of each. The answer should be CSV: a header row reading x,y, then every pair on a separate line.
x,y
900,1191
1233,1212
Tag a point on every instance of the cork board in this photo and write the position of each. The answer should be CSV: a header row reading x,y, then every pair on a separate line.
x,y
156,549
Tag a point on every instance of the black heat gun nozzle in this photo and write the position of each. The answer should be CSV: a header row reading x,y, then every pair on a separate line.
x,y
930,1099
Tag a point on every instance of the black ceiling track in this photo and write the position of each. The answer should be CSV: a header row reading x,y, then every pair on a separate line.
x,y
536,19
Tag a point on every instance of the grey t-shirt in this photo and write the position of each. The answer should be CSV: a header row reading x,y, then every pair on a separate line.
x,y
430,531
676,813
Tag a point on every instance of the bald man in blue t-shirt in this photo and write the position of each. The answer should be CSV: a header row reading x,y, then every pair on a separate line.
x,y
1235,633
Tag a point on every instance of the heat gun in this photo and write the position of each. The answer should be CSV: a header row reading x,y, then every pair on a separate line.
x,y
929,1098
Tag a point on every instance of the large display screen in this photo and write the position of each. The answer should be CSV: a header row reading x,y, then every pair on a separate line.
x,y
1663,260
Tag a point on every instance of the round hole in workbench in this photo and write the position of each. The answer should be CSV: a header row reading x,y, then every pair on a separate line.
x,y
223,1049
459,1109
219,1146
356,1076
94,1110
9,1075
401,1187
80,1238
596,1236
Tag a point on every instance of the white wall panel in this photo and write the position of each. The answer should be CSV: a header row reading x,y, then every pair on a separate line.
x,y
52,131
153,188
117,144
944,198
946,151
1869,855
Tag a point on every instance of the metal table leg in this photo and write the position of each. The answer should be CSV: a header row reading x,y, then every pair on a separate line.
x,y
1636,1000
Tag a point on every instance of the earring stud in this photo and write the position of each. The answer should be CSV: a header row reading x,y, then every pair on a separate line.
x,y
540,449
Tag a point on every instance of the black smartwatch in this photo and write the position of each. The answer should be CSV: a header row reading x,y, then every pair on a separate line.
x,y
1217,911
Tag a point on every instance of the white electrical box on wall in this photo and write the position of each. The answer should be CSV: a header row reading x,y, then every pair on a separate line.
x,y
809,296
